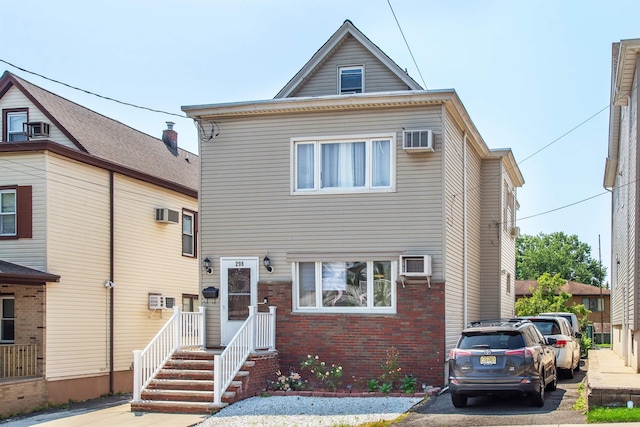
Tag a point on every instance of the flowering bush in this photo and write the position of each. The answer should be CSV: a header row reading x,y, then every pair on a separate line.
x,y
291,382
329,375
390,367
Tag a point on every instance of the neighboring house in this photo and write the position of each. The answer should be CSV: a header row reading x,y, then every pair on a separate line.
x,y
621,176
82,247
594,298
367,238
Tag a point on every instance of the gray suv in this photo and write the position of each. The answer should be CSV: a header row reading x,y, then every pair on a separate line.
x,y
501,357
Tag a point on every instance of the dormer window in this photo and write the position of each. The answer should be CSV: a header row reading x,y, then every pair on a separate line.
x,y
13,124
351,79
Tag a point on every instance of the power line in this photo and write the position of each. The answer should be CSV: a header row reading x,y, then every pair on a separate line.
x,y
407,43
92,93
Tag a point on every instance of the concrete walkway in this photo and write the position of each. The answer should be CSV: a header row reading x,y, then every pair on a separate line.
x,y
609,381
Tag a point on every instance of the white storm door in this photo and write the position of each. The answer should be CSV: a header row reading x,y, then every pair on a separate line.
x,y
238,290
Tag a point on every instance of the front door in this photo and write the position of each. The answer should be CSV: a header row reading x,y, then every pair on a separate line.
x,y
238,290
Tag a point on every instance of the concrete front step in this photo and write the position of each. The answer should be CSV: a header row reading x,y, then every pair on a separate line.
x,y
170,407
171,384
205,365
185,374
178,395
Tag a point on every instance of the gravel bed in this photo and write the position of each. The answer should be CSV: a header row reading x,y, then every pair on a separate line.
x,y
302,411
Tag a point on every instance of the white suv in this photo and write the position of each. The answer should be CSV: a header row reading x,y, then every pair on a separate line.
x,y
559,334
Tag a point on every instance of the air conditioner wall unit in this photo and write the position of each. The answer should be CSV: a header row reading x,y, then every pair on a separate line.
x,y
167,216
515,231
35,129
420,140
157,302
415,265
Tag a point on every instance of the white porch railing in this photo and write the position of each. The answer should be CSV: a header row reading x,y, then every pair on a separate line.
x,y
257,332
181,330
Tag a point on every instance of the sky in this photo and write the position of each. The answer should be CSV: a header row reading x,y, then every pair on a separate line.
x,y
534,75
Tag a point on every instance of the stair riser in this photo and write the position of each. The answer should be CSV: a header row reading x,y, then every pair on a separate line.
x,y
187,364
195,386
161,407
203,397
179,375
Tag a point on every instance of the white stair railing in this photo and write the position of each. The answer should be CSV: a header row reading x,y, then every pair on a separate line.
x,y
181,330
257,332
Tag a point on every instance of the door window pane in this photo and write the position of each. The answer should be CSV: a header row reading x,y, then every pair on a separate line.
x,y
239,285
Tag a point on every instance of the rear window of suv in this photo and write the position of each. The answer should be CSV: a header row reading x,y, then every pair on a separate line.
x,y
495,340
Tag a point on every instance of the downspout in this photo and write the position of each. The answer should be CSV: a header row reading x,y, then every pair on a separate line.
x,y
112,279
464,229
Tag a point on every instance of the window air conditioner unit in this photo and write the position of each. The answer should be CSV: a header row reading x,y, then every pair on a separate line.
x,y
157,302
417,140
165,215
515,231
415,265
35,129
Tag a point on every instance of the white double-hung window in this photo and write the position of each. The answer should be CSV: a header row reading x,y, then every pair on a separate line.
x,y
343,165
345,286
8,212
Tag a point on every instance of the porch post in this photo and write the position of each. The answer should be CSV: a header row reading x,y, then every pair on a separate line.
x,y
202,329
137,375
177,328
252,328
217,380
272,324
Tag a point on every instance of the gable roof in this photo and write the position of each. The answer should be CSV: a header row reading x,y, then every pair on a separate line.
x,y
108,140
523,288
329,47
15,274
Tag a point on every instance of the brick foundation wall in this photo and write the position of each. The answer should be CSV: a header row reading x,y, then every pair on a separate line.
x,y
266,365
359,342
22,396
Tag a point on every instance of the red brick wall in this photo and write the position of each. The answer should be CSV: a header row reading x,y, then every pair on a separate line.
x,y
359,342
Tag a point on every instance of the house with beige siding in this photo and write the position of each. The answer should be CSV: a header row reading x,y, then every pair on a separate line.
x,y
367,209
621,176
95,217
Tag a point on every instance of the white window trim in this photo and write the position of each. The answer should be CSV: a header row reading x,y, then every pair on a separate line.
x,y
319,140
349,67
14,214
14,131
329,310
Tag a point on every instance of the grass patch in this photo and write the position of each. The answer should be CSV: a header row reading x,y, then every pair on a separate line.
x,y
581,401
613,415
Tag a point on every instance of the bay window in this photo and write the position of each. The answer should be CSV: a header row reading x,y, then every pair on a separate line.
x,y
344,165
345,286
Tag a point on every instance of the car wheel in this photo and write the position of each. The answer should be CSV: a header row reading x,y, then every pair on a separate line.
x,y
554,383
537,399
459,400
577,368
569,372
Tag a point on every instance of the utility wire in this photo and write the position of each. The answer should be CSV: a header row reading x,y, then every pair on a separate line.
x,y
92,93
407,43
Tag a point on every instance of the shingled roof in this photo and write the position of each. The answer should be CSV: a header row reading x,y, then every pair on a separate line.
x,y
523,287
15,274
109,140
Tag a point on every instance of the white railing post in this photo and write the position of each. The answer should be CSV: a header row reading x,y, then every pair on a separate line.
x,y
217,380
272,332
177,329
137,375
202,329
252,328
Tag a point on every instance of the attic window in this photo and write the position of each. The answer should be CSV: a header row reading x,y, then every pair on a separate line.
x,y
13,122
351,79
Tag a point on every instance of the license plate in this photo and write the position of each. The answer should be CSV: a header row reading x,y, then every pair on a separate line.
x,y
487,360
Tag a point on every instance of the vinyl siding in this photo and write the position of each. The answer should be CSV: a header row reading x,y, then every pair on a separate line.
x,y
148,258
78,251
455,239
378,78
491,237
506,260
16,99
26,169
246,201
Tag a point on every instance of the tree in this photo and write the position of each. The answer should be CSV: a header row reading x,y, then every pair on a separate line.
x,y
549,296
557,254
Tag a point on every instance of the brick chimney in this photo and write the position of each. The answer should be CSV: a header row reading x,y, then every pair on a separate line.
x,y
170,138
